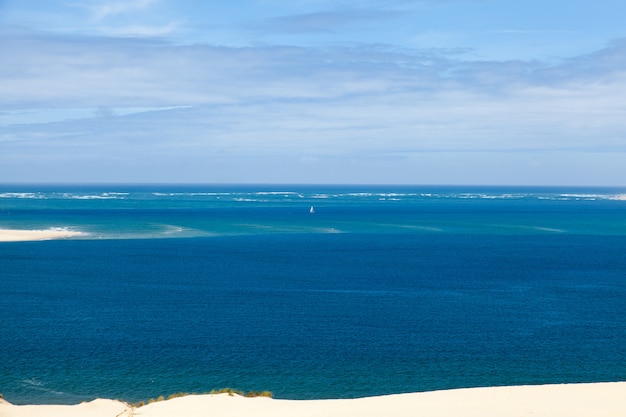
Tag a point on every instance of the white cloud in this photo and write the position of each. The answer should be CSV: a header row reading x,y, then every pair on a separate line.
x,y
378,107
92,71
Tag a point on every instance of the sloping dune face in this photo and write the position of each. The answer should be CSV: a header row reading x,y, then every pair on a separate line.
x,y
567,400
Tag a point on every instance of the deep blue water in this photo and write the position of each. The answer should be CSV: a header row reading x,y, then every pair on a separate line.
x,y
382,290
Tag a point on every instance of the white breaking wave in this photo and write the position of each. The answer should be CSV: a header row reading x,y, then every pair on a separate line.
x,y
22,195
93,197
194,194
275,193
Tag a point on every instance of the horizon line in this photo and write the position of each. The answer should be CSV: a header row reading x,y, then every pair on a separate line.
x,y
291,184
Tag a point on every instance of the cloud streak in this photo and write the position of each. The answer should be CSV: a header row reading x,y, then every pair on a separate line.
x,y
92,71
108,9
327,21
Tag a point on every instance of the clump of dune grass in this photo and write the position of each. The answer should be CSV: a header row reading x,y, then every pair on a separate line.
x,y
156,400
229,391
251,394
150,401
179,394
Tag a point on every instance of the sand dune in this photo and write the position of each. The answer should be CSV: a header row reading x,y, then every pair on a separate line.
x,y
96,408
567,400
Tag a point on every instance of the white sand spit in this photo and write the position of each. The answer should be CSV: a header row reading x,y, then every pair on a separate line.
x,y
14,235
567,400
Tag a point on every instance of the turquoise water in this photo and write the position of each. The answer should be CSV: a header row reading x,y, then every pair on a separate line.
x,y
381,290
132,212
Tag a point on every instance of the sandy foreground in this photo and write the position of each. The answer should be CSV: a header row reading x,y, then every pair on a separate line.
x,y
14,235
567,400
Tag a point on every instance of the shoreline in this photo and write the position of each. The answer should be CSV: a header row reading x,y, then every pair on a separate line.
x,y
605,399
24,235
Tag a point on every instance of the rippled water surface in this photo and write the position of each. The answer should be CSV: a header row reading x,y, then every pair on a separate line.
x,y
380,290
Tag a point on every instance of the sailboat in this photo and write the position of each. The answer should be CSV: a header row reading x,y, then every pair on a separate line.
x,y
312,210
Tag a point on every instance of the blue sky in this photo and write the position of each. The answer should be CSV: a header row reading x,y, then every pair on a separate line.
x,y
314,91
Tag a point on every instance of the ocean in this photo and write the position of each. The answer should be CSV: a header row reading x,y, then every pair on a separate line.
x,y
381,290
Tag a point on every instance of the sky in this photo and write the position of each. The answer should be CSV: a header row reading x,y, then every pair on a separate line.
x,y
490,92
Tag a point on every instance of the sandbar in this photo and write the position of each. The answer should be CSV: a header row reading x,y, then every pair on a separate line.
x,y
17,235
563,400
